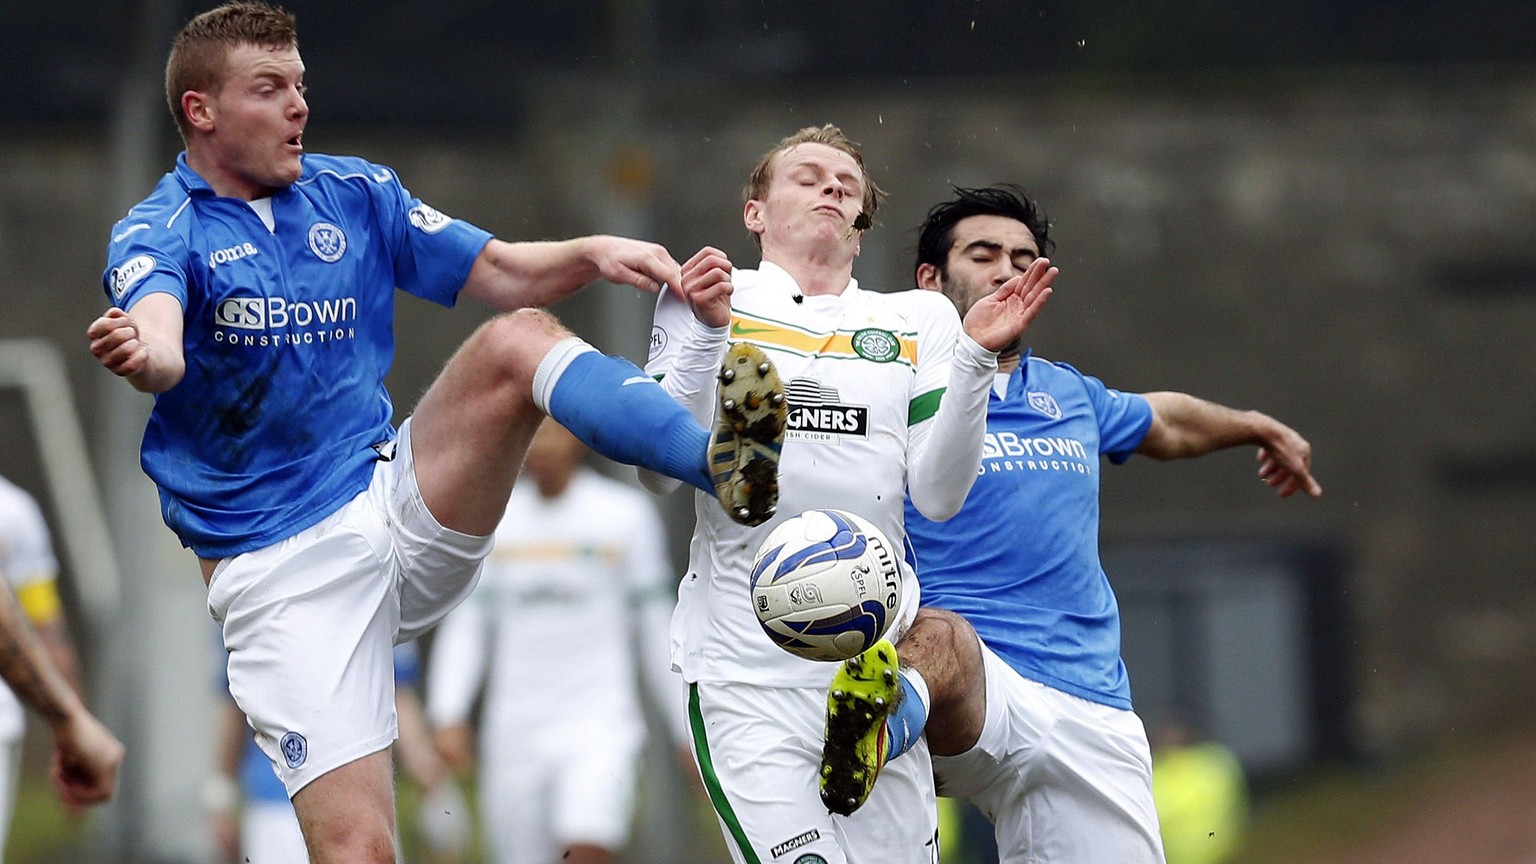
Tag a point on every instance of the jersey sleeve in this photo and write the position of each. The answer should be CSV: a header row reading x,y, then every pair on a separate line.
x,y
144,258
433,252
1123,417
948,412
26,548
684,357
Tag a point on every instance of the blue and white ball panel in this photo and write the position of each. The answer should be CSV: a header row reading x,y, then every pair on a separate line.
x,y
825,585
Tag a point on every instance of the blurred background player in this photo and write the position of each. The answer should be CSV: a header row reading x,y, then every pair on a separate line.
x,y
38,663
29,566
1201,794
877,363
1033,722
252,819
569,617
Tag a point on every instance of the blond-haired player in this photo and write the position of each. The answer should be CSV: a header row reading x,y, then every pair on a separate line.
x,y
887,393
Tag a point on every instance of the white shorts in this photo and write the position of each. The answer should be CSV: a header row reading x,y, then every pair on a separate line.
x,y
577,786
310,622
1061,778
759,749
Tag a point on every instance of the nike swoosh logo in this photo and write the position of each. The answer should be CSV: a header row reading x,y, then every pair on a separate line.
x,y
638,379
737,329
381,176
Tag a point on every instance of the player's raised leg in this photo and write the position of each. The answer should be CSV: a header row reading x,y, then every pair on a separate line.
x,y
875,711
942,649
473,426
865,691
748,435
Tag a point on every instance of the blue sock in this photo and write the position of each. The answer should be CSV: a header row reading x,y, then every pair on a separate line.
x,y
905,725
623,414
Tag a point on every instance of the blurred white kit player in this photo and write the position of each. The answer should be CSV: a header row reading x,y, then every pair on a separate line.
x,y
28,565
578,573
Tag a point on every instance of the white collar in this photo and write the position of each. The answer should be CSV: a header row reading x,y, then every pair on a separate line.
x,y
773,274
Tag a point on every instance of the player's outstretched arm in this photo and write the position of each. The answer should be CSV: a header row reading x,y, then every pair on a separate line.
x,y
1184,427
511,276
998,320
144,345
85,754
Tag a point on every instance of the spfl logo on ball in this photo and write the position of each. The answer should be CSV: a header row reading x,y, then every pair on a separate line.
x,y
295,749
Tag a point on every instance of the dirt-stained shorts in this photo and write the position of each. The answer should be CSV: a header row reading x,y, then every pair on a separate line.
x,y
310,622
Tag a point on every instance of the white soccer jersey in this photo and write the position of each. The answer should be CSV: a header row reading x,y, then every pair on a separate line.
x,y
864,373
550,630
26,558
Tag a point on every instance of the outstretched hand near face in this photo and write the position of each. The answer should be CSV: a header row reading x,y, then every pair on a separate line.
x,y
998,320
707,286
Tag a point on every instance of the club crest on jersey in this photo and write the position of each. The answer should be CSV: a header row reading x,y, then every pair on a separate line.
x,y
1045,403
428,219
129,274
295,749
876,345
327,241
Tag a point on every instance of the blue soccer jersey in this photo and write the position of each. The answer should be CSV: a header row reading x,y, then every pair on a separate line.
x,y
288,334
1021,559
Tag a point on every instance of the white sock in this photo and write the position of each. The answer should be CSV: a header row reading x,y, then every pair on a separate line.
x,y
553,366
919,686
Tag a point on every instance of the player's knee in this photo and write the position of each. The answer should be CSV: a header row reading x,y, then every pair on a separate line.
x,y
938,630
514,343
944,648
365,838
358,848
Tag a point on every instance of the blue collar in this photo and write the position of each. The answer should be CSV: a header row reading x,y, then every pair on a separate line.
x,y
190,180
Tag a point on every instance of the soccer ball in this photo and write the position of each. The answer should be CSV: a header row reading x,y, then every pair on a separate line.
x,y
825,585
